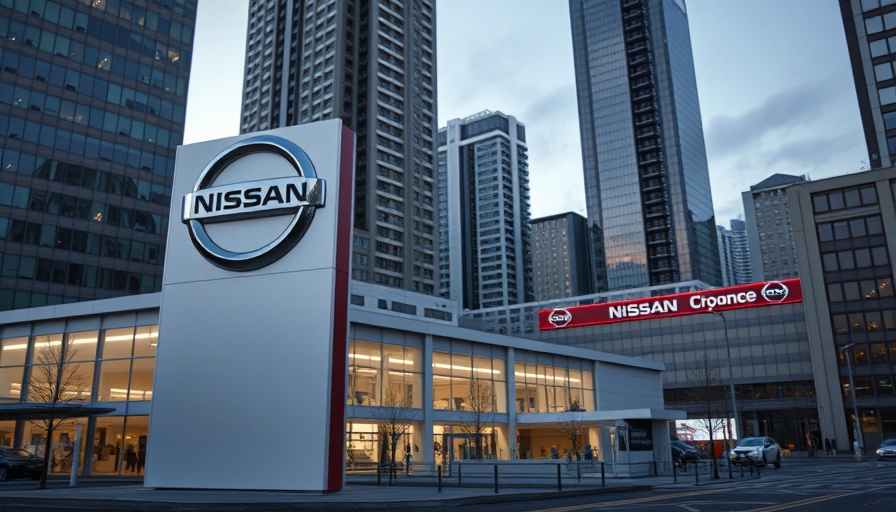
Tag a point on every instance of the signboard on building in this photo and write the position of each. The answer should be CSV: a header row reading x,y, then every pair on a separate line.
x,y
768,293
249,388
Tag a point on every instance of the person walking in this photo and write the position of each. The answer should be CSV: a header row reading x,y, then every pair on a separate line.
x,y
130,459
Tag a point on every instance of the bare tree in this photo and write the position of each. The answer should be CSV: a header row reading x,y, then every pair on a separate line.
x,y
709,401
395,416
55,380
481,404
572,427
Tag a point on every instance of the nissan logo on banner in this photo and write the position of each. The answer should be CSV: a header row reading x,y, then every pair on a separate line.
x,y
214,199
775,291
560,317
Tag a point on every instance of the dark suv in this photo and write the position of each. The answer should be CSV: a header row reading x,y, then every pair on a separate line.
x,y
684,453
18,463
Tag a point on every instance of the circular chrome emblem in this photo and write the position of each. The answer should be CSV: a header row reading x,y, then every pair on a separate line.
x,y
560,317
775,291
241,223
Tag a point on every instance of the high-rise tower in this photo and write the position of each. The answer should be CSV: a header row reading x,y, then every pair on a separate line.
x,y
484,234
92,102
767,211
647,190
870,27
372,64
734,254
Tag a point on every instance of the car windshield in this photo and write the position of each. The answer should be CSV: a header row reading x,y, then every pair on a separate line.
x,y
888,442
14,452
681,445
751,441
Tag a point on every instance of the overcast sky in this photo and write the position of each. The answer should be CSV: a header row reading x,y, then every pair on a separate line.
x,y
774,79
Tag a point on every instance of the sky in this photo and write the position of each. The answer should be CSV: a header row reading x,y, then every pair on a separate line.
x,y
773,76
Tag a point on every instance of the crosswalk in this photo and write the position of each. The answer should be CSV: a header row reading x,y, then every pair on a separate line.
x,y
839,478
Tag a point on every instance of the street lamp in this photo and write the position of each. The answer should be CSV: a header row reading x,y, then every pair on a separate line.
x,y
730,373
855,407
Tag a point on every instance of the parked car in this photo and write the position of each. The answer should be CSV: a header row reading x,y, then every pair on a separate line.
x,y
18,463
684,453
887,449
756,451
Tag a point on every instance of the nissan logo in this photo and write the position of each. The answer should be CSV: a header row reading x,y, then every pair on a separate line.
x,y
775,291
560,317
291,190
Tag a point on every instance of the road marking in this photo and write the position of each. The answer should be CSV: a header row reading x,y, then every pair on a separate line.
x,y
628,502
800,503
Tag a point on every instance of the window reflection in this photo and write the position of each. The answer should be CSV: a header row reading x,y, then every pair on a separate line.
x,y
541,388
382,374
463,382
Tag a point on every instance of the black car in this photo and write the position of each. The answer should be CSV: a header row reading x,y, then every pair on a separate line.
x,y
684,453
18,463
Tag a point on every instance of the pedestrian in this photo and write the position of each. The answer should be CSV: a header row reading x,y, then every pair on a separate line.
x,y
130,458
827,446
834,447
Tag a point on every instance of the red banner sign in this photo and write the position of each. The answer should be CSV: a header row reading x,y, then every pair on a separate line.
x,y
768,293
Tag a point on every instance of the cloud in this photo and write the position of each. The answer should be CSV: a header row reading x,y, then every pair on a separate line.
x,y
779,112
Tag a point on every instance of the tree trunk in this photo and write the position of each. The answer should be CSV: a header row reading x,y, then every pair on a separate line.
x,y
46,469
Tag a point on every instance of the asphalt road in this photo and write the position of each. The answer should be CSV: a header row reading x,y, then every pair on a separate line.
x,y
869,486
800,486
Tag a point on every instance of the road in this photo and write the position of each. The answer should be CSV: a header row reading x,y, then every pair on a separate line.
x,y
800,486
843,487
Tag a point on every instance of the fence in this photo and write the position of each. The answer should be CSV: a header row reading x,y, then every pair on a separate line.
x,y
508,474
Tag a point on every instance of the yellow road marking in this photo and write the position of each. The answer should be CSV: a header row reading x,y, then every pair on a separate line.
x,y
628,502
800,503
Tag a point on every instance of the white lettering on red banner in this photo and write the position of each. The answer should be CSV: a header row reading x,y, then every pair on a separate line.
x,y
766,293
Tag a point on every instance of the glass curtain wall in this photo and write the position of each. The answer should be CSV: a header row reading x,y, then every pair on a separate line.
x,y
463,382
381,374
544,388
124,360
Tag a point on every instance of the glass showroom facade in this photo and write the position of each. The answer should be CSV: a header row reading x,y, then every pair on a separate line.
x,y
469,395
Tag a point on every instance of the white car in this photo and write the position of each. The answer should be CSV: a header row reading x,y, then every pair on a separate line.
x,y
756,451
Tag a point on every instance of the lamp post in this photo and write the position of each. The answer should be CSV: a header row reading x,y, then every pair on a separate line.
x,y
855,407
730,373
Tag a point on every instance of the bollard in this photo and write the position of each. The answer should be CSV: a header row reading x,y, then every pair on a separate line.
x,y
559,479
696,474
674,472
656,470
730,476
603,475
439,468
379,477
496,479
751,470
459,468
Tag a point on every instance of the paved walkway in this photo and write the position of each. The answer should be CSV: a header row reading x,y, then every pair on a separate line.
x,y
360,492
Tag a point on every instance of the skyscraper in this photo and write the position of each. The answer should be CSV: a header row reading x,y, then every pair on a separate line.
x,y
768,221
647,187
92,102
372,64
734,254
484,234
560,256
870,27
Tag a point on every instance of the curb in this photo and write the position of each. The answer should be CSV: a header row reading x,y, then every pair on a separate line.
x,y
75,504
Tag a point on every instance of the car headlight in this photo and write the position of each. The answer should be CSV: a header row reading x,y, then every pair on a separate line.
x,y
880,451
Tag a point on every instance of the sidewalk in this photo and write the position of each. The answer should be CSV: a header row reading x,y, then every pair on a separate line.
x,y
360,493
